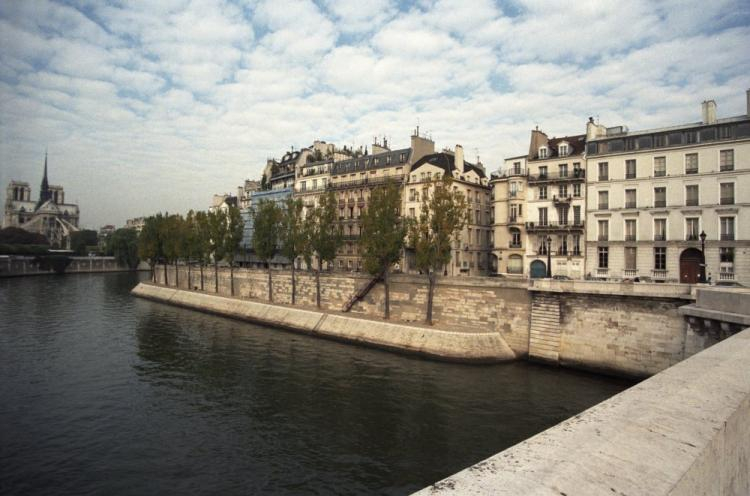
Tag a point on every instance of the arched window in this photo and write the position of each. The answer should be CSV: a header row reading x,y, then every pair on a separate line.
x,y
515,264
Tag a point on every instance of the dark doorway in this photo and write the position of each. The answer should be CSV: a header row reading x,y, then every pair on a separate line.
x,y
690,266
538,269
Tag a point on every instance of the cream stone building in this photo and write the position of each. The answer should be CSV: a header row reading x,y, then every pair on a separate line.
x,y
507,216
471,250
654,194
555,207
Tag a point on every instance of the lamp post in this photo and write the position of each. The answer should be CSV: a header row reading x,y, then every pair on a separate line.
x,y
702,236
549,256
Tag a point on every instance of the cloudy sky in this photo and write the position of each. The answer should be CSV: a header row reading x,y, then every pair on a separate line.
x,y
148,106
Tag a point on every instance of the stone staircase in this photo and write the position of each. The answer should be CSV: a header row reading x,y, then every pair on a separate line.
x,y
544,332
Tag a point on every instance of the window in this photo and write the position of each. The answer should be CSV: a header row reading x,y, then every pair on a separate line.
x,y
577,215
630,232
562,214
562,191
542,172
660,258
726,255
563,170
603,171
576,244
630,169
660,229
660,166
691,163
603,257
542,192
577,190
691,137
630,199
603,200
631,254
542,152
513,190
542,216
515,264
726,193
303,186
691,228
515,238
660,197
726,160
603,230
563,150
691,195
412,213
726,227
563,244
660,140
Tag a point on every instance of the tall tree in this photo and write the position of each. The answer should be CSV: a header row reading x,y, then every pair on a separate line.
x,y
187,243
442,217
217,226
123,244
232,240
150,242
324,235
266,216
200,241
383,234
292,236
173,232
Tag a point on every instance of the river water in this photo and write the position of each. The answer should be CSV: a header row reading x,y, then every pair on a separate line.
x,y
104,393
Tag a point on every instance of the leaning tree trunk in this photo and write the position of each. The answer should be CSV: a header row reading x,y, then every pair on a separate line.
x,y
231,278
430,293
294,287
166,281
153,273
216,276
201,266
317,283
387,293
176,275
270,286
189,284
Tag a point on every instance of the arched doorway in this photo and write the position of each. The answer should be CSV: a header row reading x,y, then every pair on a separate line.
x,y
691,261
537,269
515,264
493,263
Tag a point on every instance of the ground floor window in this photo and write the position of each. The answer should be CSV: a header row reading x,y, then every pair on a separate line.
x,y
515,264
603,257
660,258
631,253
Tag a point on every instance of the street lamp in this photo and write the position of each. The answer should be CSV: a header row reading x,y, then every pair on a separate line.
x,y
549,256
702,236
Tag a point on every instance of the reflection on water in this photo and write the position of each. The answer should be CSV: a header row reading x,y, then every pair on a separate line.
x,y
106,394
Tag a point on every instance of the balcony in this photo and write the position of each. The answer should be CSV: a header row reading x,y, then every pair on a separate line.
x,y
691,202
554,226
691,170
727,200
660,237
357,183
630,237
514,171
629,273
514,220
727,167
577,175
562,200
726,276
727,236
602,272
604,206
691,237
660,203
630,204
659,274
514,245
603,237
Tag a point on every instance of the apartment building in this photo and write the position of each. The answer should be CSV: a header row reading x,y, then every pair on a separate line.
x,y
508,197
670,204
471,250
555,206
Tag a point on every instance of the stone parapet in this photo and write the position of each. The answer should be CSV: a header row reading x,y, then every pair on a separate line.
x,y
683,432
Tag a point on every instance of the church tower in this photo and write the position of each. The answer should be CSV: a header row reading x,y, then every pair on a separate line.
x,y
44,192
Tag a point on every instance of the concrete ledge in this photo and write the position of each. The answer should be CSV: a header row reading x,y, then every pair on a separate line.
x,y
612,288
684,431
476,347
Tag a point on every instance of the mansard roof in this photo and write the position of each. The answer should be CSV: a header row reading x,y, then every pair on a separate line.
x,y
577,145
447,162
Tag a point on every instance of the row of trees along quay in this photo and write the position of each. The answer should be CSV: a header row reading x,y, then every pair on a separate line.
x,y
284,229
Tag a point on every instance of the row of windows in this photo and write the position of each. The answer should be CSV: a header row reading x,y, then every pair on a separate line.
x,y
691,233
363,163
563,191
562,215
692,196
726,257
691,165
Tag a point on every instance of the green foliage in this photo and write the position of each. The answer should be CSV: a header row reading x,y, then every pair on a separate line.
x,y
441,218
6,249
323,232
292,235
172,231
18,236
199,238
151,239
266,217
58,263
80,240
124,247
217,226
233,233
383,231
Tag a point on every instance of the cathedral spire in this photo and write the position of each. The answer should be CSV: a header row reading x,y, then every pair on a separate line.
x,y
44,192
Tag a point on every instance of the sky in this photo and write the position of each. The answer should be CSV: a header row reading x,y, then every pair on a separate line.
x,y
155,106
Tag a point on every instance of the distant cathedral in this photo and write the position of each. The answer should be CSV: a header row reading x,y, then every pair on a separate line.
x,y
49,215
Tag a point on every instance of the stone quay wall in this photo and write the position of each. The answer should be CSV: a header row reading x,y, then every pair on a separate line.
x,y
12,265
464,305
685,431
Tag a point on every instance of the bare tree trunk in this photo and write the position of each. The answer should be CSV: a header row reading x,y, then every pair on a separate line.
x,y
201,268
270,286
153,273
166,281
189,283
387,294
294,287
176,275
317,283
231,278
430,293
216,276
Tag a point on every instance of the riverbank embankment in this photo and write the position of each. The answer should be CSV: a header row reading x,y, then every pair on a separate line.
x,y
684,431
476,346
18,266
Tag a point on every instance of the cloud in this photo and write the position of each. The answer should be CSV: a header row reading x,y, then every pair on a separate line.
x,y
149,106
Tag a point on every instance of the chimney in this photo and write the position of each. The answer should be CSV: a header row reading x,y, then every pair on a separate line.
x,y
459,158
708,111
538,138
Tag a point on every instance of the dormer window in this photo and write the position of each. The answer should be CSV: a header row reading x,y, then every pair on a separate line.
x,y
542,152
563,149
